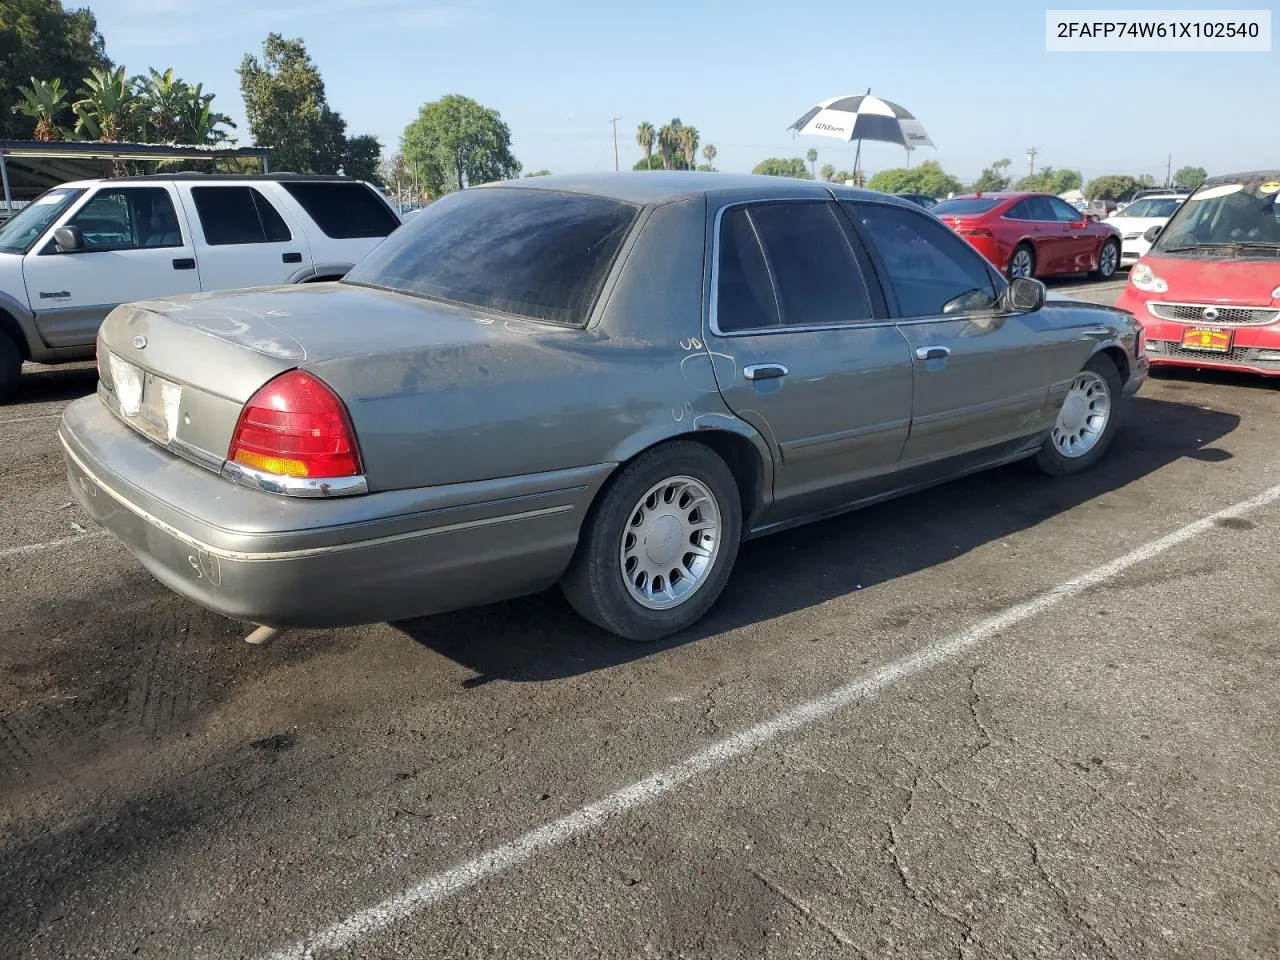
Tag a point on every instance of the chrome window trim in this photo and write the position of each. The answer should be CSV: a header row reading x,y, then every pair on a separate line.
x,y
294,486
713,319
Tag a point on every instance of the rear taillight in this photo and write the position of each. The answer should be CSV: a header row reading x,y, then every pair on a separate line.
x,y
982,232
295,426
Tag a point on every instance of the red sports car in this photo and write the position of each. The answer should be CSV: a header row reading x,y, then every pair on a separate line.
x,y
1033,234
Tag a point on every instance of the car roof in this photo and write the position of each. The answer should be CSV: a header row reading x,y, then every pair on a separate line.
x,y
217,178
654,187
1247,175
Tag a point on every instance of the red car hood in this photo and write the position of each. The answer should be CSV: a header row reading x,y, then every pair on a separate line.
x,y
1244,283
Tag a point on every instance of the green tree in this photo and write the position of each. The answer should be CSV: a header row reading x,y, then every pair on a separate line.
x,y
1064,180
993,178
456,143
709,154
42,39
669,143
198,122
828,172
107,107
284,101
646,136
1189,178
362,158
539,173
1114,188
688,140
928,178
812,156
1146,180
777,167
651,163
45,103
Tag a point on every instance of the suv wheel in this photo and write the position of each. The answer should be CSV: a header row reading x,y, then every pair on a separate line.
x,y
10,368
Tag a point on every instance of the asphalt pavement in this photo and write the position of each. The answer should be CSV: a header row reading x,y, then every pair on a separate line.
x,y
1007,717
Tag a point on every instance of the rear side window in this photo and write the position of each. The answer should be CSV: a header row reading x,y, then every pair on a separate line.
x,y
344,211
238,215
929,267
530,252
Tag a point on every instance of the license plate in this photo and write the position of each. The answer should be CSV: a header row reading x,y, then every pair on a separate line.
x,y
1207,339
143,396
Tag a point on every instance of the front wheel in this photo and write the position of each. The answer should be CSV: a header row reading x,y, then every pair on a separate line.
x,y
1108,261
657,548
1086,422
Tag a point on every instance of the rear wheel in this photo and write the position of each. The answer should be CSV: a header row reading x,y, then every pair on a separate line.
x,y
1022,262
1086,422
10,368
658,546
1108,261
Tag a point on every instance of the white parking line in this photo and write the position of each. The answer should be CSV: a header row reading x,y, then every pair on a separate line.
x,y
49,416
439,886
7,552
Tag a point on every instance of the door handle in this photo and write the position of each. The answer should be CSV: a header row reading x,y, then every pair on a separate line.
x,y
764,371
184,263
932,353
291,257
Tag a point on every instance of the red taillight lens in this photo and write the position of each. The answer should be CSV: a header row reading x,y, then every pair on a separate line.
x,y
295,426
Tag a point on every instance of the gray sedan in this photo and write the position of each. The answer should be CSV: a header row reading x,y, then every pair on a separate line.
x,y
606,382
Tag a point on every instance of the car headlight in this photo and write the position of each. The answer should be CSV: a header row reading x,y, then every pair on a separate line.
x,y
1275,294
1146,279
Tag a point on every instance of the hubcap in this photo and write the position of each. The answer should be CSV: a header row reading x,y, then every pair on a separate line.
x,y
1083,417
1108,262
670,543
1021,264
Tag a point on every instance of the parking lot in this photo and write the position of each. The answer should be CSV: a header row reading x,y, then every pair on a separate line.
x,y
1008,717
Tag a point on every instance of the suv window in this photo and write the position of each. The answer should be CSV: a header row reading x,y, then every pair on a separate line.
x,y
128,218
344,211
929,267
816,276
534,253
238,215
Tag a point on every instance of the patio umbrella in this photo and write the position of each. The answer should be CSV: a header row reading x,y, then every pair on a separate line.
x,y
863,118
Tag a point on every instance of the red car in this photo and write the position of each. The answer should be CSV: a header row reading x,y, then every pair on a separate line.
x,y
1033,234
1208,291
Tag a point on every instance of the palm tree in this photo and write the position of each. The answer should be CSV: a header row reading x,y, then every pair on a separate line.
x,y
689,146
106,107
669,141
44,102
645,136
163,98
709,152
812,157
828,172
198,122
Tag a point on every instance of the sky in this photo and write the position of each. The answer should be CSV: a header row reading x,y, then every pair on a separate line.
x,y
977,76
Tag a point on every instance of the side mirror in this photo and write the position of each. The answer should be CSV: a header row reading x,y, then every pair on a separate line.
x,y
1152,232
68,239
1025,295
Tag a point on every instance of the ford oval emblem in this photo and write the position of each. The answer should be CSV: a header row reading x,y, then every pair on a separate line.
x,y
140,342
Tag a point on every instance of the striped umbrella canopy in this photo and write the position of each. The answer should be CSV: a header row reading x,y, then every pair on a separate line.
x,y
850,118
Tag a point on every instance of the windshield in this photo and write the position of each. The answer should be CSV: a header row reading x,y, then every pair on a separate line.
x,y
19,233
1161,207
964,206
534,253
1226,218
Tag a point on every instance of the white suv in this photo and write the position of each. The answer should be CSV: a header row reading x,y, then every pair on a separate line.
x,y
81,249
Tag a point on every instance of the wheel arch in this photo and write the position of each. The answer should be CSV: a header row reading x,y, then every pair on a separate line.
x,y
320,272
1116,354
10,327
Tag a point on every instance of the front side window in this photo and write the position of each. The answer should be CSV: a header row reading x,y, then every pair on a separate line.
x,y
231,215
534,253
343,211
1064,211
932,271
128,218
20,232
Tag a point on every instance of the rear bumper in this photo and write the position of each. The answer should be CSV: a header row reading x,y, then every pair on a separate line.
x,y
322,563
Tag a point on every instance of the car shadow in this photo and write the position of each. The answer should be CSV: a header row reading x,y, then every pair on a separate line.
x,y
40,384
540,638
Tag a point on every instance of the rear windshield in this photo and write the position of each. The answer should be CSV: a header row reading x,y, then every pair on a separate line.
x,y
965,206
1161,207
344,211
533,253
1227,218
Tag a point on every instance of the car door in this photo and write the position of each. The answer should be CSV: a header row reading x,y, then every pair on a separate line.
x,y
982,376
1080,241
803,351
242,238
1041,224
136,247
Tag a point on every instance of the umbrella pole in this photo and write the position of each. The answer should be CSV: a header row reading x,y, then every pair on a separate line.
x,y
857,156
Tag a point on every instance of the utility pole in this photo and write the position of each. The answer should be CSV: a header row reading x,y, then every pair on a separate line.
x,y
614,121
1168,172
1031,156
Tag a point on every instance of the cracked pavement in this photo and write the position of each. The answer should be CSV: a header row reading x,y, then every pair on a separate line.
x,y
1098,781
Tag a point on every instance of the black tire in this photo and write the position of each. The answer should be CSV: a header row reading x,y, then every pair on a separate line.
x,y
1030,251
594,583
10,368
1101,273
1053,461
